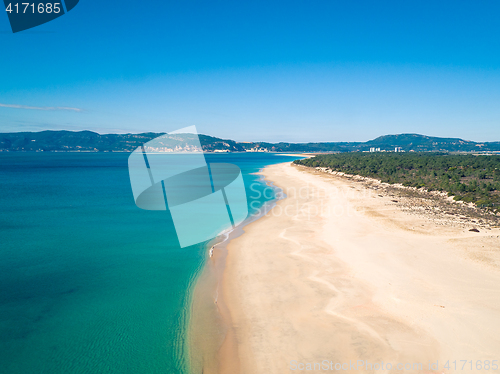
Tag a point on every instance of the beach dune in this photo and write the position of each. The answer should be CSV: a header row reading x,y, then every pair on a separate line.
x,y
338,277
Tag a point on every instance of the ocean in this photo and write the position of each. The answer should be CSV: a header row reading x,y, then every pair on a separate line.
x,y
89,283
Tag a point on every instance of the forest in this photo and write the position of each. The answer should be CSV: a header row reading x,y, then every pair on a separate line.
x,y
469,178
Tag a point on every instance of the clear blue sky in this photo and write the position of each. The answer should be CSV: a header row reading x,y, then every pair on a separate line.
x,y
259,70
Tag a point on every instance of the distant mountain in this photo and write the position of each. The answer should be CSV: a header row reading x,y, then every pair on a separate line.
x,y
418,142
88,141
407,143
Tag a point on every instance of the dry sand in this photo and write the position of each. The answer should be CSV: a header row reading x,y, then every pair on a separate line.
x,y
339,272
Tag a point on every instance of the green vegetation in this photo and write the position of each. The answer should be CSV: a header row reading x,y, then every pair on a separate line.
x,y
91,141
469,178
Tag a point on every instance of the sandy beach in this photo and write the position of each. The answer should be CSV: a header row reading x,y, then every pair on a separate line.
x,y
340,273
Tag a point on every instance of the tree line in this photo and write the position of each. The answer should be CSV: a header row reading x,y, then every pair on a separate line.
x,y
468,178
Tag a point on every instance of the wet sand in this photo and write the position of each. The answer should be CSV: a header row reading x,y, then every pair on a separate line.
x,y
338,273
210,328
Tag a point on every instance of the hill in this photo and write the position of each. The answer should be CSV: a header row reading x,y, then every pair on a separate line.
x,y
418,142
88,141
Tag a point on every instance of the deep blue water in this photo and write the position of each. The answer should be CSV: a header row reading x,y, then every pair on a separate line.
x,y
89,283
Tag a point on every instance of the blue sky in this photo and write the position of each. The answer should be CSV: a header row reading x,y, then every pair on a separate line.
x,y
276,71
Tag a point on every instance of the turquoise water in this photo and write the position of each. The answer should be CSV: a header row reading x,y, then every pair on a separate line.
x,y
89,283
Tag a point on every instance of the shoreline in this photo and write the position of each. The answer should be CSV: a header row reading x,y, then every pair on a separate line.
x,y
377,283
210,322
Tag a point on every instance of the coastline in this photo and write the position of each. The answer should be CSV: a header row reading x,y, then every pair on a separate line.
x,y
210,321
369,283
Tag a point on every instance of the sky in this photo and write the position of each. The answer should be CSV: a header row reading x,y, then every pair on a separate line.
x,y
296,71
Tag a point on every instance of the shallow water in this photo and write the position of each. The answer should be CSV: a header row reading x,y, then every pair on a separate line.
x,y
89,282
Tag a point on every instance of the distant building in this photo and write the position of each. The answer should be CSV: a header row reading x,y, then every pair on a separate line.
x,y
373,149
257,149
398,149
